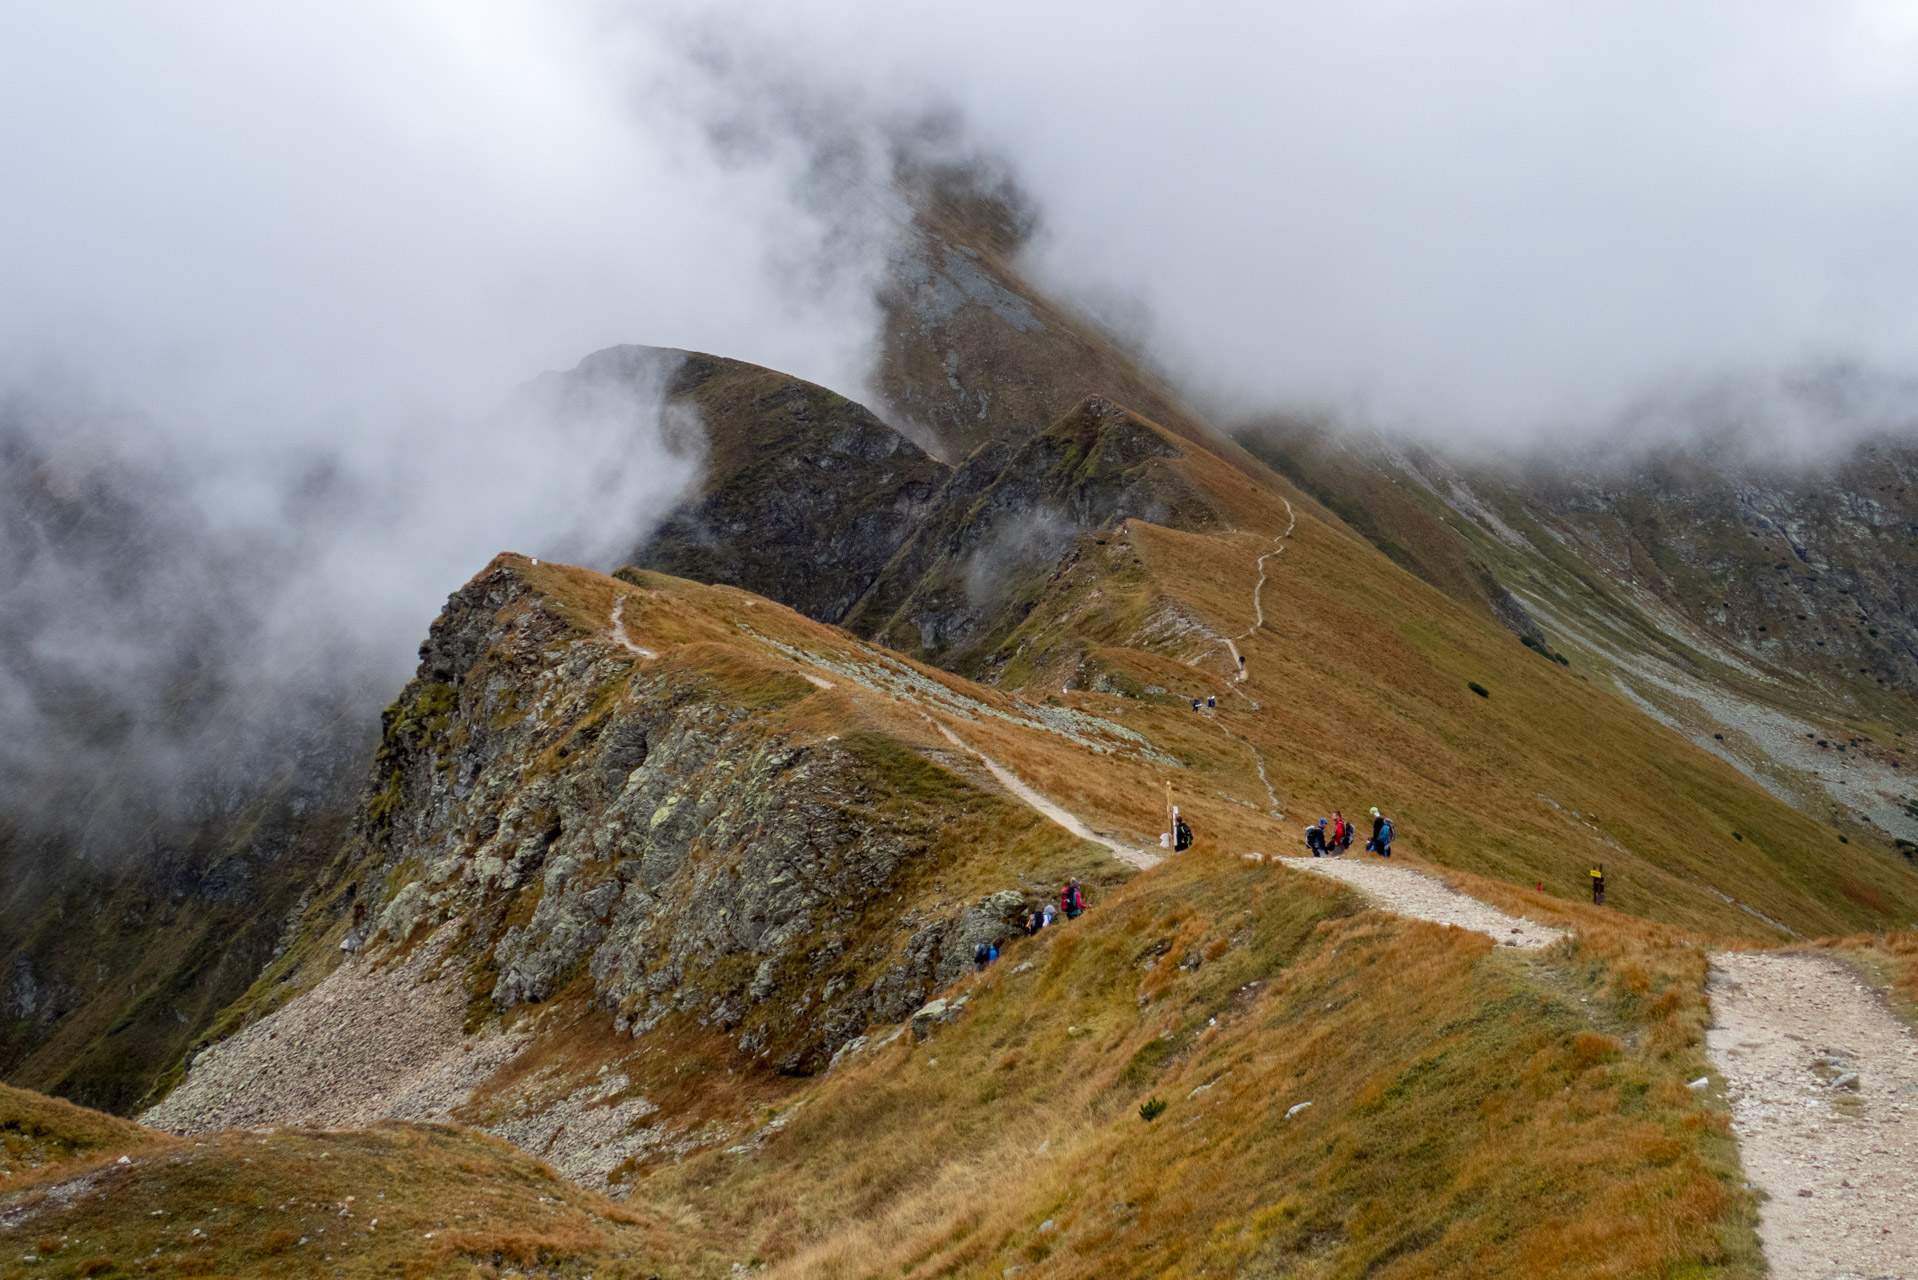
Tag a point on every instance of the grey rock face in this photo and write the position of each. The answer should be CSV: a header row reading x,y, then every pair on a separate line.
x,y
806,494
644,833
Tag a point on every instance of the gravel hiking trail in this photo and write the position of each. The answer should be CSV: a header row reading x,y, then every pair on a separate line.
x,y
1413,893
625,641
1823,1082
1026,795
1258,608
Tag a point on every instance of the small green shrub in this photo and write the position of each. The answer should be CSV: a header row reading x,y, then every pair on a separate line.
x,y
1478,688
1152,1109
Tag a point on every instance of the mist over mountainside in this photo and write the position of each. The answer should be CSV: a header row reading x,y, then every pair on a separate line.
x,y
193,655
708,808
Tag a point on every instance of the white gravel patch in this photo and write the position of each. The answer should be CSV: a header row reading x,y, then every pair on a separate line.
x,y
1413,893
1839,1162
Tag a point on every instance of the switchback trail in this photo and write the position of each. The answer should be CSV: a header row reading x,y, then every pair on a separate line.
x,y
1824,1091
1026,795
1258,607
1275,810
1413,893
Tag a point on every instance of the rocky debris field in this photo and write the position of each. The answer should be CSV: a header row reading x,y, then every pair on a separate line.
x,y
370,1042
1824,1084
1412,893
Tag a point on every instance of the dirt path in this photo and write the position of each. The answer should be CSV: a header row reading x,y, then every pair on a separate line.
x,y
1258,609
1838,1161
1413,893
1275,809
1258,589
1010,781
625,641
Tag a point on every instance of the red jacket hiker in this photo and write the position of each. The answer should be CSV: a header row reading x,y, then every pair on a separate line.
x,y
1071,901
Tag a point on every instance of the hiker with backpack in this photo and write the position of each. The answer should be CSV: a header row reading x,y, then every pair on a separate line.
x,y
1181,835
1381,841
1071,900
1341,832
1315,838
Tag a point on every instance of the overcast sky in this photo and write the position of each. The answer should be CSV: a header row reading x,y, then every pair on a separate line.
x,y
1462,216
1465,217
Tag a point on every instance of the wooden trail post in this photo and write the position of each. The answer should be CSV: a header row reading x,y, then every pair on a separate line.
x,y
1598,885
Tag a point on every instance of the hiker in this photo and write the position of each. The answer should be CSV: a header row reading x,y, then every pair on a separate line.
x,y
1341,832
1181,835
1212,703
981,955
1071,901
1315,838
1381,841
1034,922
1195,704
1045,919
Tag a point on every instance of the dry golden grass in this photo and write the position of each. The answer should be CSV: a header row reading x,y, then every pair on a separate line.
x,y
394,1200
1471,1114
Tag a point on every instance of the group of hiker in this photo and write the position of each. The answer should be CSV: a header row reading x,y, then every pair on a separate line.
x,y
1330,838
1072,903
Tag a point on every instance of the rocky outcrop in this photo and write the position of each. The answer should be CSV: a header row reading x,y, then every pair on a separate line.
x,y
805,495
649,836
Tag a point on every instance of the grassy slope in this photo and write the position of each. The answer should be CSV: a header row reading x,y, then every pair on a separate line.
x,y
420,1200
1472,1111
1361,678
1675,549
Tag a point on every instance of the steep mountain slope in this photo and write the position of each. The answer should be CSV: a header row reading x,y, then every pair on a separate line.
x,y
153,839
806,495
1765,612
1039,568
679,815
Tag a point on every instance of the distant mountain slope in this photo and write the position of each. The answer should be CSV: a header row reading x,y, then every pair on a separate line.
x,y
1769,613
971,352
154,837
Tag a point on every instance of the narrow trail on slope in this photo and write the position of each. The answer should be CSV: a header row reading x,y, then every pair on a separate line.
x,y
1413,893
1835,1159
1010,781
620,637
1276,809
